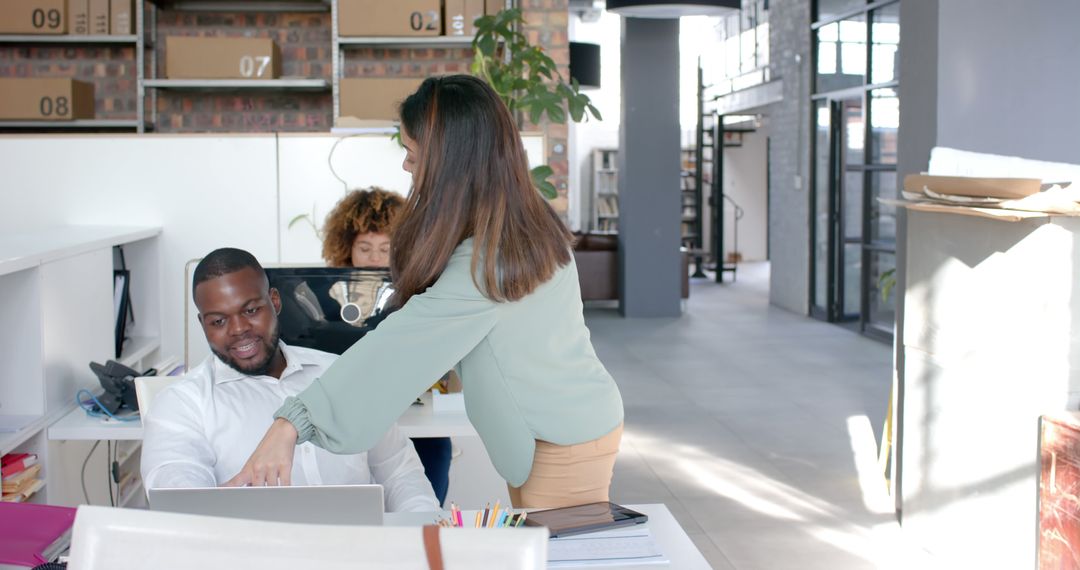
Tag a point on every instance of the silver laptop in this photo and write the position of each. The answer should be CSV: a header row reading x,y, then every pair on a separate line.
x,y
324,504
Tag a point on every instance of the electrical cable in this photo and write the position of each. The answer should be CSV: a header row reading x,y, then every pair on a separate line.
x,y
93,408
108,471
82,475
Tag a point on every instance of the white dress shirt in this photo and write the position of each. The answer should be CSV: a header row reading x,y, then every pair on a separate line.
x,y
202,429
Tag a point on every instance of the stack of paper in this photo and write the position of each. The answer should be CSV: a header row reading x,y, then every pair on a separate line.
x,y
19,475
617,547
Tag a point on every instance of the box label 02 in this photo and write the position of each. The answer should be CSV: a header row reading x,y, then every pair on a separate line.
x,y
419,23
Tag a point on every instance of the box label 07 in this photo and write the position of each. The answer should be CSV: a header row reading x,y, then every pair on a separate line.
x,y
254,65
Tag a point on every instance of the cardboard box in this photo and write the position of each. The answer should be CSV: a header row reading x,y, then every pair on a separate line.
x,y
33,17
461,15
1004,188
41,99
78,12
492,7
99,17
121,17
221,58
367,18
375,98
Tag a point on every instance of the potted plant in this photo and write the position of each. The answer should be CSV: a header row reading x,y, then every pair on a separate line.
x,y
526,79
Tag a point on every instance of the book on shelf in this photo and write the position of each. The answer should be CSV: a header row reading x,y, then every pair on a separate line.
x,y
18,481
13,463
32,486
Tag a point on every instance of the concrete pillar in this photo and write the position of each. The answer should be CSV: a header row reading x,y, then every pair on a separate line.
x,y
649,209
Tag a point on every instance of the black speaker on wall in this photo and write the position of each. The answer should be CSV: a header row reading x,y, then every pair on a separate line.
x,y
585,63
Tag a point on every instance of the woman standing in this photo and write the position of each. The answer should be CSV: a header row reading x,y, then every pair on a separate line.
x,y
357,234
486,282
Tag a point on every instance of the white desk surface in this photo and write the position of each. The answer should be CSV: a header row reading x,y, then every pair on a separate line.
x,y
417,421
670,537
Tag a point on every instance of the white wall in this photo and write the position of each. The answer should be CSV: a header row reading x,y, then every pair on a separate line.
x,y
745,174
584,137
1008,79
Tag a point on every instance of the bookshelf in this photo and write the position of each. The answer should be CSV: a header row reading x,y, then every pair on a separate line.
x,y
56,304
605,191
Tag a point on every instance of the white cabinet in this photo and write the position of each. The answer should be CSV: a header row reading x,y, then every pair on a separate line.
x,y
56,315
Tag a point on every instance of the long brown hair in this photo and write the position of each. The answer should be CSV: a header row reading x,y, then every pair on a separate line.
x,y
472,180
360,212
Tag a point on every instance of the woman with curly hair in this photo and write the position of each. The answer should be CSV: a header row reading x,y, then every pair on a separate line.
x,y
357,230
357,234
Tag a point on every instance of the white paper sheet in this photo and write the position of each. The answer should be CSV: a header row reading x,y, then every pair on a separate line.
x,y
618,547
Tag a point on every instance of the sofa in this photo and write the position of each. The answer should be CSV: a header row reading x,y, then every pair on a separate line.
x,y
597,258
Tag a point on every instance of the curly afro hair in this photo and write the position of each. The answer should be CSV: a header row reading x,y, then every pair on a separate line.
x,y
360,212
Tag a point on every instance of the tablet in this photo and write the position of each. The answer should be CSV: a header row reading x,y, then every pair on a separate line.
x,y
590,517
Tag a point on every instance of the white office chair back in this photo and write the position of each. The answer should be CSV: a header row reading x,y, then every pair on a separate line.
x,y
107,538
146,387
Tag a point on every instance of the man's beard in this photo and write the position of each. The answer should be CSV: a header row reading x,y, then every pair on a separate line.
x,y
258,368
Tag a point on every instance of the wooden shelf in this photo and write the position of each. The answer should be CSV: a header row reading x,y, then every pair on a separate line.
x,y
136,348
239,84
240,6
88,124
25,250
407,41
66,39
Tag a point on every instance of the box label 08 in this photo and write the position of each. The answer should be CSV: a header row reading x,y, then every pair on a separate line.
x,y
54,106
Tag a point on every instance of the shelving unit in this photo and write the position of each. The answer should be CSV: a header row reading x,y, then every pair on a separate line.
x,y
689,200
77,124
284,83
67,39
408,41
137,40
56,302
148,85
605,191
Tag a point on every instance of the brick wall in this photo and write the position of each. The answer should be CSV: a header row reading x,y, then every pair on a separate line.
x,y
110,68
305,42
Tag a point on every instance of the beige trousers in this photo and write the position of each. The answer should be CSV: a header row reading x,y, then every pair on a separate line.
x,y
567,475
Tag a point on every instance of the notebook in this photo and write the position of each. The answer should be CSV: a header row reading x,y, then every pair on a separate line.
x,y
33,534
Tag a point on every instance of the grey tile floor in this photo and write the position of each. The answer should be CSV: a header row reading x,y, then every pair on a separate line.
x,y
751,424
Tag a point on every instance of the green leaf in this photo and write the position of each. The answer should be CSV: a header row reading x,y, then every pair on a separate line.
x,y
540,176
300,218
886,281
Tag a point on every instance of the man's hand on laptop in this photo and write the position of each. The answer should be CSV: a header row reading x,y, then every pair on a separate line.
x,y
271,464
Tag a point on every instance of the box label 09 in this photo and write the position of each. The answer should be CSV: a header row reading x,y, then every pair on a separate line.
x,y
41,18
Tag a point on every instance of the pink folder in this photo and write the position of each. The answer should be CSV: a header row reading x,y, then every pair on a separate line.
x,y
28,530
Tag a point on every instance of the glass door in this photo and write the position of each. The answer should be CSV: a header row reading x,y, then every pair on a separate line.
x,y
839,204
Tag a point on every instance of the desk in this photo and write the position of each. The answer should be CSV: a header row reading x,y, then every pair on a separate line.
x,y
473,479
417,421
670,537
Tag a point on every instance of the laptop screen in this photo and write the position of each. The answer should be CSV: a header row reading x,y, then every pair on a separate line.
x,y
325,308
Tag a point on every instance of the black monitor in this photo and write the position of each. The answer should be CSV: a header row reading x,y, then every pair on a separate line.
x,y
325,308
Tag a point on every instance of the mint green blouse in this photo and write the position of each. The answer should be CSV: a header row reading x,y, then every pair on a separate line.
x,y
528,371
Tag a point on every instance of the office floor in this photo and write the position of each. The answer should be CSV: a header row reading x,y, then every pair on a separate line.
x,y
757,427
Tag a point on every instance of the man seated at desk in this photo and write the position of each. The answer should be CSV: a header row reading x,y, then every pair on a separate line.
x,y
202,429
